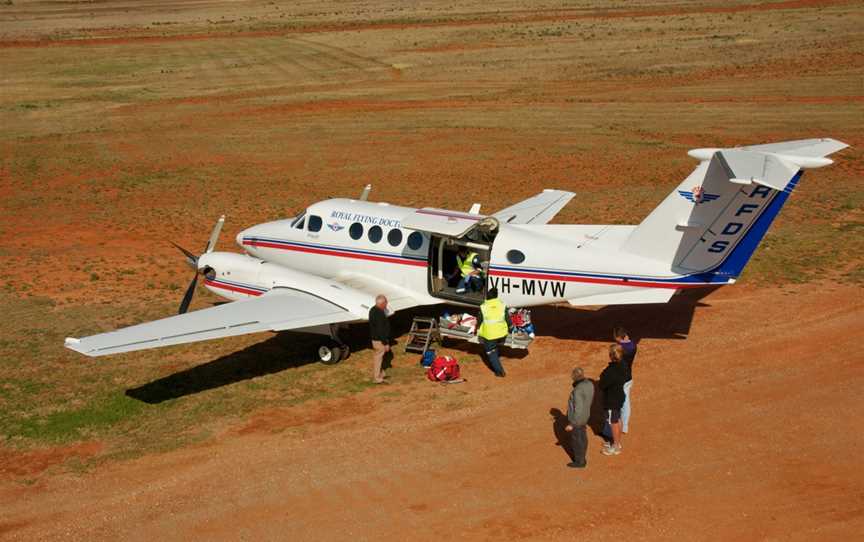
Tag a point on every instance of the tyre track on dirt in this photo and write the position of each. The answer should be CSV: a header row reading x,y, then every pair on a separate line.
x,y
456,21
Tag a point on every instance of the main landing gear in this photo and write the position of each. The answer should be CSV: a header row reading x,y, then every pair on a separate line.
x,y
333,350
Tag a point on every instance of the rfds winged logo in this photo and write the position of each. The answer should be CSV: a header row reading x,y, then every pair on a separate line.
x,y
335,226
698,195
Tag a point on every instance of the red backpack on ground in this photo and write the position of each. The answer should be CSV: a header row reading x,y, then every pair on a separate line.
x,y
443,368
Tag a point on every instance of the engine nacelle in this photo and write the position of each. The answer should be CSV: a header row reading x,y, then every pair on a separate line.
x,y
230,275
239,276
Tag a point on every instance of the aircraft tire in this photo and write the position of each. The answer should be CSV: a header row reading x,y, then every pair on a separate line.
x,y
330,353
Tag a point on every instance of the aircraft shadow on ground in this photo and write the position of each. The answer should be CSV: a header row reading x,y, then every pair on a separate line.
x,y
288,350
285,350
273,355
670,320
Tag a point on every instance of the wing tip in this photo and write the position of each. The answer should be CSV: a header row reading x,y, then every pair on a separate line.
x,y
74,344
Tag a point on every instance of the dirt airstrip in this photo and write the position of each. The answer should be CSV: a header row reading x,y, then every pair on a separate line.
x,y
749,429
127,125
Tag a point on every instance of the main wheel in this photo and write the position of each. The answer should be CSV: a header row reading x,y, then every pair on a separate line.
x,y
330,353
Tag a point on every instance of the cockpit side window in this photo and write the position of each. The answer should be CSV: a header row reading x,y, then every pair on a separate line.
x,y
299,222
315,223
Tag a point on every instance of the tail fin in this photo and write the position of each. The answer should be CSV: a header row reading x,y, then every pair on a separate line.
x,y
714,220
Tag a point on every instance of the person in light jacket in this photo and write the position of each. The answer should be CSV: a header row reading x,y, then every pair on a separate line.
x,y
578,411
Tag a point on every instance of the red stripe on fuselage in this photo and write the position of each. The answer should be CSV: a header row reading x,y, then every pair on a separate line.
x,y
327,252
593,280
232,288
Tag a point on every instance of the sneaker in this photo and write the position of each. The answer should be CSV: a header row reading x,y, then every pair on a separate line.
x,y
610,450
574,465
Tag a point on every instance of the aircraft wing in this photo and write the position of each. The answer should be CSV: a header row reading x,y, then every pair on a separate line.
x,y
538,209
278,309
814,148
398,298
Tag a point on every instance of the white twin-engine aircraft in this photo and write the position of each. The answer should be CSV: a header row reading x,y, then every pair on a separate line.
x,y
323,268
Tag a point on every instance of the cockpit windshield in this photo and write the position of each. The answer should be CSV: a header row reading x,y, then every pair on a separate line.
x,y
299,221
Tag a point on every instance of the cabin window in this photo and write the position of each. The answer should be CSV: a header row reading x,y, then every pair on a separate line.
x,y
415,240
394,237
375,233
515,256
315,223
356,231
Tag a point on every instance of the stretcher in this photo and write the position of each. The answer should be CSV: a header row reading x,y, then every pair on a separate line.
x,y
447,329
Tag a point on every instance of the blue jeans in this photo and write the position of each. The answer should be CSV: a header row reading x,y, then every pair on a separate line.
x,y
491,349
470,282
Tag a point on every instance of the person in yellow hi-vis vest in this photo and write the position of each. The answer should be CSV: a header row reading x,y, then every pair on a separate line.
x,y
494,328
470,271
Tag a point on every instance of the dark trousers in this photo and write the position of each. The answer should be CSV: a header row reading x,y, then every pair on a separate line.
x,y
579,444
491,349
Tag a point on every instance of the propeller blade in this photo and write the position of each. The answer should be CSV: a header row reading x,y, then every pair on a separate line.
x,y
214,235
187,297
191,259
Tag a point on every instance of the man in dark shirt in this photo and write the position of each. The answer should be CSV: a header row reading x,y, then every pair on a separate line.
x,y
612,384
379,332
622,337
578,411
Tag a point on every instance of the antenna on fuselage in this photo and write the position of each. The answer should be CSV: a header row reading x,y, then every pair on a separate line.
x,y
365,194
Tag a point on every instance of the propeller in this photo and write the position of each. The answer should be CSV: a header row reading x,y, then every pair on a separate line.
x,y
192,260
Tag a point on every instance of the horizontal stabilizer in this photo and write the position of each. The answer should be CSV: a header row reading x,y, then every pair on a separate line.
x,y
813,148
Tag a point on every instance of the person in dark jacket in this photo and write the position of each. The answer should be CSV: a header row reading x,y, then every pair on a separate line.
x,y
578,411
622,337
379,332
612,384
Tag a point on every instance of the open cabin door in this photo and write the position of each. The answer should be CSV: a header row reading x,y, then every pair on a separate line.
x,y
450,231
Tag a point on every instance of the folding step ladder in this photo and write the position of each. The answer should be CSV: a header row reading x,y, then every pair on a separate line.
x,y
424,331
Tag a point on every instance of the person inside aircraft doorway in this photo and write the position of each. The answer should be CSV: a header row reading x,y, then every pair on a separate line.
x,y
470,271
494,328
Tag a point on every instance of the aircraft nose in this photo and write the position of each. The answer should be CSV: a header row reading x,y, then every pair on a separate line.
x,y
240,237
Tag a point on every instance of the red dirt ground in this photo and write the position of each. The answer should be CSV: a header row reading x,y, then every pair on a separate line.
x,y
750,428
738,428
